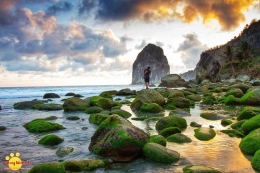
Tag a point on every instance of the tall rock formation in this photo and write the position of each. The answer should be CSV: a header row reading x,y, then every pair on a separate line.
x,y
153,57
212,61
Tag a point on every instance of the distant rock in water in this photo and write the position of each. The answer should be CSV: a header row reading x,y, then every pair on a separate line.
x,y
153,57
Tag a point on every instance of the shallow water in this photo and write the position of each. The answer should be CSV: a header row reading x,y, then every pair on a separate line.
x,y
222,152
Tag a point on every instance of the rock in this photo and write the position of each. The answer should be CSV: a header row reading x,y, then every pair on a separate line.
x,y
97,118
147,96
2,128
125,92
243,78
251,97
175,94
50,95
211,116
151,108
118,138
75,104
40,126
121,113
92,100
173,80
226,122
231,100
237,125
233,133
204,134
27,104
251,143
151,56
70,94
189,75
248,112
178,102
171,121
105,103
73,118
178,138
256,161
179,113
194,97
255,82
159,153
199,169
169,131
64,151
53,167
251,124
93,110
241,86
83,165
50,140
47,107
0,107
194,124
158,139
235,92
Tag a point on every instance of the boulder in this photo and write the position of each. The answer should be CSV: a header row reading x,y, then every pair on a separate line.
x,y
121,113
199,169
231,100
248,112
2,128
40,126
204,134
70,94
151,108
83,165
175,94
256,160
75,104
118,138
158,139
173,80
255,82
251,97
195,124
151,56
241,86
50,140
27,104
97,118
243,78
52,167
93,110
179,102
233,133
169,131
159,153
251,143
147,96
178,138
194,97
171,121
226,122
64,151
47,107
251,124
105,103
211,116
50,95
73,118
179,113
237,125
125,92
236,92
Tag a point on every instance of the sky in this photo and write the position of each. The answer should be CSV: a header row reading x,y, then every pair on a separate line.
x,y
95,42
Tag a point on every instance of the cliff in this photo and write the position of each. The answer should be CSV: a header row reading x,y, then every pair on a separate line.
x,y
152,56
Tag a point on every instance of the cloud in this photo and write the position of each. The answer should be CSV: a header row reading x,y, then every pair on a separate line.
x,y
229,14
190,50
59,7
142,45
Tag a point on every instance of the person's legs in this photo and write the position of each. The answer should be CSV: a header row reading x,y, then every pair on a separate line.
x,y
147,83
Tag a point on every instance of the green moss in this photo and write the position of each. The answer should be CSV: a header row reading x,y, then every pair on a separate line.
x,y
210,116
199,169
248,112
256,160
93,110
121,113
204,134
251,124
53,167
39,126
97,118
27,104
233,133
50,140
226,122
169,131
73,118
106,95
151,108
251,143
194,97
251,97
208,99
237,125
78,95
93,100
159,153
47,107
64,151
170,107
158,139
217,90
235,92
83,165
179,112
179,102
104,103
171,121
75,104
178,138
231,100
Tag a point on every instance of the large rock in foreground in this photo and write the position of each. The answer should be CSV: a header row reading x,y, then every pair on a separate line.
x,y
251,97
251,143
117,137
173,80
153,57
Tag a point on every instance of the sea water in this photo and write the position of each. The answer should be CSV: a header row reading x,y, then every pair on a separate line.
x,y
222,152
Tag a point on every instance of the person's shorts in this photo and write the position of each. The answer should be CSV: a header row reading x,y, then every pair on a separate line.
x,y
146,80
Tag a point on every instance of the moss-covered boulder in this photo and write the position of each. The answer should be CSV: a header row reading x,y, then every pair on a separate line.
x,y
179,102
178,138
194,97
105,103
64,151
97,118
93,100
125,92
169,131
159,153
158,139
237,125
251,97
171,121
93,110
50,140
211,116
27,104
118,138
48,107
233,133
231,100
175,94
179,113
241,86
73,118
106,95
256,160
251,143
83,165
75,104
121,113
251,124
40,126
52,167
208,99
199,169
204,134
70,94
151,107
195,124
226,122
248,112
217,90
50,95
147,96
236,92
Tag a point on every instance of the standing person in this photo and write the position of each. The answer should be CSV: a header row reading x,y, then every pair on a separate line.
x,y
147,73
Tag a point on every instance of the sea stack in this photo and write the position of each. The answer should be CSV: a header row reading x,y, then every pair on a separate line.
x,y
151,56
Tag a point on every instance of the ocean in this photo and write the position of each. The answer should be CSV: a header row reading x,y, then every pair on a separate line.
x,y
222,152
